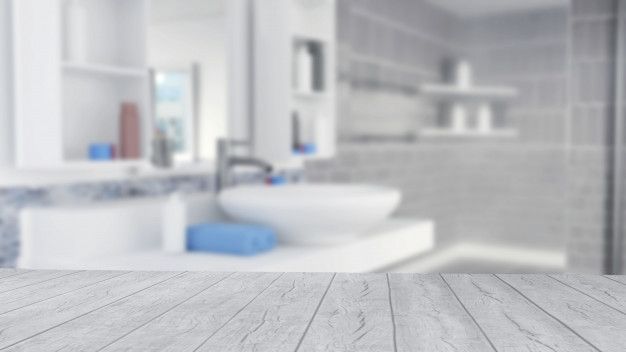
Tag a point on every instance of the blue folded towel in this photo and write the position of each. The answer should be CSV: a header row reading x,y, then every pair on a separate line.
x,y
230,238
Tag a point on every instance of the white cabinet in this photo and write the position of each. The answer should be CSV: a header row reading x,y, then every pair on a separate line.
x,y
75,62
294,79
36,82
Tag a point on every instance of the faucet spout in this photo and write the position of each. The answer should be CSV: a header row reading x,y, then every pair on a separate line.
x,y
267,167
226,162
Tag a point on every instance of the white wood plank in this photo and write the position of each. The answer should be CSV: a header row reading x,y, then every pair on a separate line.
x,y
12,272
601,288
355,316
429,318
36,318
617,278
24,296
510,320
277,319
26,279
602,326
103,326
188,325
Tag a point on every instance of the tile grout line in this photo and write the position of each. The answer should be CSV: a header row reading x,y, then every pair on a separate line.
x,y
86,313
546,312
595,299
166,311
468,313
64,293
239,311
319,304
393,316
41,282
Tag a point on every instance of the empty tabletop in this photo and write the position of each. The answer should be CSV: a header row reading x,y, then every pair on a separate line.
x,y
210,311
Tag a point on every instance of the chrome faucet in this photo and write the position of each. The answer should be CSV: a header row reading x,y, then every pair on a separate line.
x,y
226,161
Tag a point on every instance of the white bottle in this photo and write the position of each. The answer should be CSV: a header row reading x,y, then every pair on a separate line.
x,y
174,230
485,118
304,72
459,118
75,31
463,74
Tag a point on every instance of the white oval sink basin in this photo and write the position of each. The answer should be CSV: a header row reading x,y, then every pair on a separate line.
x,y
312,213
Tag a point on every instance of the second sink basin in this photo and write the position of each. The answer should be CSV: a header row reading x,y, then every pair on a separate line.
x,y
321,214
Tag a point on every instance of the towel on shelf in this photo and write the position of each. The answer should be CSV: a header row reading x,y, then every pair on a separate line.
x,y
230,238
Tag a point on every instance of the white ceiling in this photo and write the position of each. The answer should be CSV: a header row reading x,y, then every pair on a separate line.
x,y
478,8
176,10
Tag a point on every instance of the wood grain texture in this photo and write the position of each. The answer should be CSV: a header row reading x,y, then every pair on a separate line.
x,y
617,278
277,319
27,295
31,320
600,325
510,320
99,328
601,288
429,318
187,326
355,316
11,272
269,312
29,278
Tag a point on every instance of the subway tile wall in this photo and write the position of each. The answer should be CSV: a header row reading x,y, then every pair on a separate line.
x,y
592,82
528,51
544,189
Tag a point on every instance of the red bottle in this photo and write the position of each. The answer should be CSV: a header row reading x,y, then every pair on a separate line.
x,y
130,139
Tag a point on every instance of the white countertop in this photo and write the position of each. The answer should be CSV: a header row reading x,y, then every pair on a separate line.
x,y
387,244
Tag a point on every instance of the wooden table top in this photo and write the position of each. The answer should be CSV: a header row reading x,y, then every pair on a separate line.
x,y
193,311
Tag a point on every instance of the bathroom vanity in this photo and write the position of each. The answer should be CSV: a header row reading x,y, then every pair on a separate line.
x,y
127,235
196,311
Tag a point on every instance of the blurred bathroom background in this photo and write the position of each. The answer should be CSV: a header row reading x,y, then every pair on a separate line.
x,y
499,122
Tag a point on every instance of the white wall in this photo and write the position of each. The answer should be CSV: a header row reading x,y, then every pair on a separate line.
x,y
6,118
177,42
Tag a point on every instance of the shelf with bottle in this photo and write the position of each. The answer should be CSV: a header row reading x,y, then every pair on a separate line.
x,y
308,63
459,119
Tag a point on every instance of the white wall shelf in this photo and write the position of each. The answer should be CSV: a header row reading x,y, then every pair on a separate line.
x,y
448,132
477,93
72,98
103,69
295,80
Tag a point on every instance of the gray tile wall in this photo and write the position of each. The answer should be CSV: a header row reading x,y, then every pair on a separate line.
x,y
528,51
519,201
545,189
592,84
387,49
